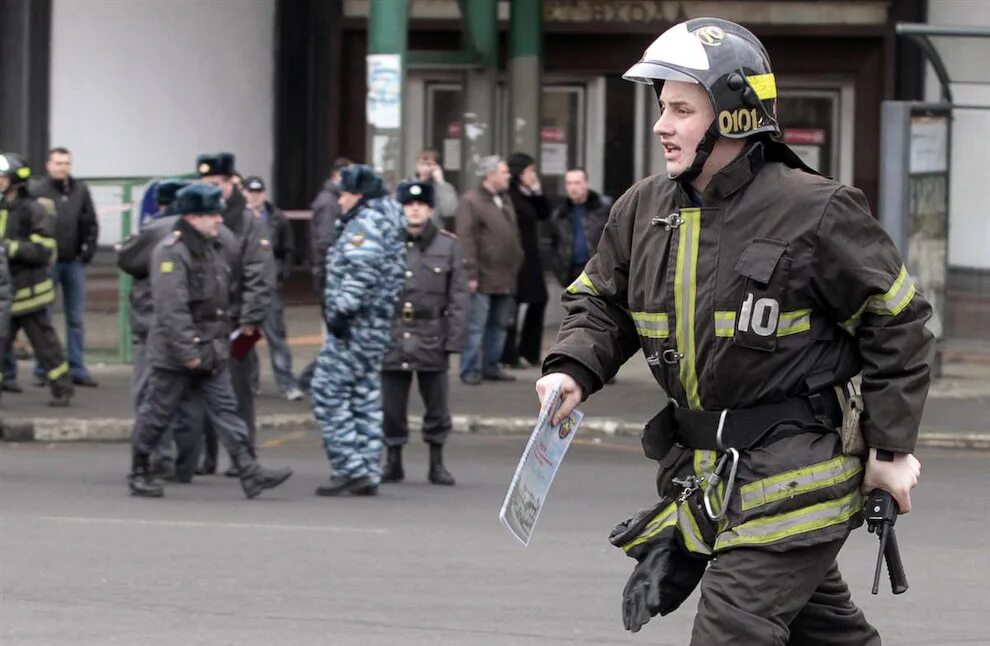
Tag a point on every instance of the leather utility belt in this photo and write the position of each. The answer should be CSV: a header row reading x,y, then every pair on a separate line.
x,y
409,313
730,431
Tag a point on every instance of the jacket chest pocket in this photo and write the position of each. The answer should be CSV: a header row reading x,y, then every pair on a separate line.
x,y
433,271
764,268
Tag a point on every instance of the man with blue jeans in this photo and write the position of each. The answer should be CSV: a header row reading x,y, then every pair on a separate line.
x,y
486,226
76,233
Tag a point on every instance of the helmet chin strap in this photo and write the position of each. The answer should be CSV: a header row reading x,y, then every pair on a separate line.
x,y
701,154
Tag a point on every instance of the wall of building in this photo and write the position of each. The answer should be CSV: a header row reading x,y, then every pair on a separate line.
x,y
139,87
966,59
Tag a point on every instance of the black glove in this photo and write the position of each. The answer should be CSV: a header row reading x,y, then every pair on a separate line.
x,y
339,325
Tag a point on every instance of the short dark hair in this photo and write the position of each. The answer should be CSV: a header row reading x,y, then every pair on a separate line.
x,y
340,162
578,168
58,150
429,153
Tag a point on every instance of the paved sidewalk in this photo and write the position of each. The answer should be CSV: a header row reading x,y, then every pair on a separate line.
x,y
957,415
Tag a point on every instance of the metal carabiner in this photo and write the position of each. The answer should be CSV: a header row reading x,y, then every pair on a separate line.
x,y
716,474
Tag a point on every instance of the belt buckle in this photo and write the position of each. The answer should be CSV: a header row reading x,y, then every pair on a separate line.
x,y
408,313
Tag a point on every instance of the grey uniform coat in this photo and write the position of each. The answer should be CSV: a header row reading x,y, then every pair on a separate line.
x,y
431,314
190,286
255,275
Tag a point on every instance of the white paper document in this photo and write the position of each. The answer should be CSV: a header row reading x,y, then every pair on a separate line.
x,y
537,467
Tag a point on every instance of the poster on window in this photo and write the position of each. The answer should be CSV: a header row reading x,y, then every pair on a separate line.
x,y
553,158
384,90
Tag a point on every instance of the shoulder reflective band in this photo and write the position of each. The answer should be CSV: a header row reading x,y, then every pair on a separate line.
x,y
787,324
799,481
582,285
42,240
685,292
652,325
166,267
890,303
771,529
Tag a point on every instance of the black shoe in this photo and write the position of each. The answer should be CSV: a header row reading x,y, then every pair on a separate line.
x,y
11,387
255,478
393,471
338,484
178,477
471,380
60,400
370,490
232,472
499,376
87,381
164,469
139,480
206,469
438,472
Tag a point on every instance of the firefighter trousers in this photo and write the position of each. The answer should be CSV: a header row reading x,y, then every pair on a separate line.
x,y
47,348
796,597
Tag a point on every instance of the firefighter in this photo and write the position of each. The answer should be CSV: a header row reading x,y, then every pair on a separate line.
x,y
27,229
757,290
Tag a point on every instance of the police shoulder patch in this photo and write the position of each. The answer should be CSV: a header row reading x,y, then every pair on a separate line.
x,y
166,267
265,243
357,239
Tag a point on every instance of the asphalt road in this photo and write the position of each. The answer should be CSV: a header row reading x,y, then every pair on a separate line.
x,y
82,563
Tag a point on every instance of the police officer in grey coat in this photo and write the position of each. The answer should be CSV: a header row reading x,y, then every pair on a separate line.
x,y
188,347
429,325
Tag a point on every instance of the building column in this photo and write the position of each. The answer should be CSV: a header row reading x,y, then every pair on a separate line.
x,y
478,131
525,72
386,62
25,59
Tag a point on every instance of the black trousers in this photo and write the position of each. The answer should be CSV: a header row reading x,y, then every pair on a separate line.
x,y
240,379
167,389
795,598
525,341
395,405
47,348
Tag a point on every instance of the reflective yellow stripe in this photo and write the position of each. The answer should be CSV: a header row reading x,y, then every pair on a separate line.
x,y
725,324
653,325
42,240
890,303
690,532
799,481
58,371
582,285
704,463
666,518
764,85
12,246
25,292
42,299
3,223
794,322
770,529
685,293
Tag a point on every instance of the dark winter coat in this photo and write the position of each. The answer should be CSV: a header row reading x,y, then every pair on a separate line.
x,y
530,211
322,233
255,276
76,226
489,239
596,210
282,239
431,314
27,227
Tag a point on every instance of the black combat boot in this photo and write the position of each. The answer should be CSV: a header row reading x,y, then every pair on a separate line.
x,y
438,473
61,393
339,484
140,481
256,478
393,471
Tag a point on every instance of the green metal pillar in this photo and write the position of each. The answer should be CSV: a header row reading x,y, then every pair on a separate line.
x,y
478,131
124,286
525,70
386,62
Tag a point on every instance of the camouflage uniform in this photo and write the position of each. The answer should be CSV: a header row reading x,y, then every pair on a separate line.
x,y
364,276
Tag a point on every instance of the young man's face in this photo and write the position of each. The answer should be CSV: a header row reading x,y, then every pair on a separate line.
x,y
576,185
417,213
685,114
208,225
255,199
58,166
348,200
425,167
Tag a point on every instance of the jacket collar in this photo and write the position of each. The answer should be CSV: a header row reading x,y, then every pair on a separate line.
x,y
593,202
425,237
731,179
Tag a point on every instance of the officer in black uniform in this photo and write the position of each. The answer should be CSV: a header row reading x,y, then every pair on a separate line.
x,y
429,325
27,228
188,344
256,279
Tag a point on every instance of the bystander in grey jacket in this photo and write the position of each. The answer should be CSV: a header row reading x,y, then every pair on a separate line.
x,y
322,232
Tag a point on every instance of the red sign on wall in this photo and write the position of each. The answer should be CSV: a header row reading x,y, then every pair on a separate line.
x,y
815,136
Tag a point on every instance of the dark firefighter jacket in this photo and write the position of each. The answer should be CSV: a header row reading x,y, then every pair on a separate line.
x,y
431,313
191,292
134,259
6,294
28,230
781,275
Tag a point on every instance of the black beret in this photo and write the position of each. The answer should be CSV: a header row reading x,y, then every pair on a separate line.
x,y
415,191
215,164
198,199
517,163
360,180
167,188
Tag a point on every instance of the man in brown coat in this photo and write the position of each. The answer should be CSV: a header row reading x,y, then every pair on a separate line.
x,y
486,225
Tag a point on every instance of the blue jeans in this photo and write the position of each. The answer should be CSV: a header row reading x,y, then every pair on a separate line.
x,y
71,276
278,348
488,321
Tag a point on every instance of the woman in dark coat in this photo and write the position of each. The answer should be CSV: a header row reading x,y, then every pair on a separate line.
x,y
531,208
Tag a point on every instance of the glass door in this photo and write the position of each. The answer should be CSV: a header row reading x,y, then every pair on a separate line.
x,y
562,132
